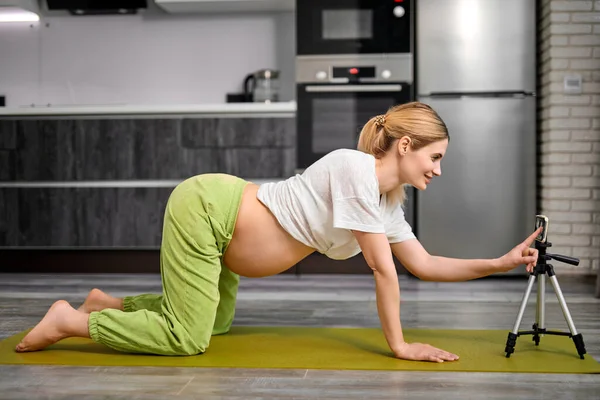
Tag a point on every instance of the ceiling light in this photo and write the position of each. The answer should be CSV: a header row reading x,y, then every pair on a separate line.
x,y
19,11
13,14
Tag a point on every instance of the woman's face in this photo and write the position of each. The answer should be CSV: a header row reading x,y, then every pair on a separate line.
x,y
420,166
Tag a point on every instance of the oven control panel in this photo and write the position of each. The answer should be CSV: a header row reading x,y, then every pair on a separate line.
x,y
354,69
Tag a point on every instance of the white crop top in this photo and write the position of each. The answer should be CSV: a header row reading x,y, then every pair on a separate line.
x,y
336,194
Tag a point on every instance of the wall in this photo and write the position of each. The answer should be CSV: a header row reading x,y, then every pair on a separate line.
x,y
570,124
152,58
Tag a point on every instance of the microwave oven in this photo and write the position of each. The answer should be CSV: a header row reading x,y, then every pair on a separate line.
x,y
329,27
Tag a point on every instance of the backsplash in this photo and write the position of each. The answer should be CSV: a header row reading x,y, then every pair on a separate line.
x,y
152,59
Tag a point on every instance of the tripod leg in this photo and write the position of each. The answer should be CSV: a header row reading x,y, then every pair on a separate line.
x,y
577,338
523,304
542,305
512,336
540,316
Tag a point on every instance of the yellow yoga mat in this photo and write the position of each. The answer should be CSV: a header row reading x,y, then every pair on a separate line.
x,y
329,348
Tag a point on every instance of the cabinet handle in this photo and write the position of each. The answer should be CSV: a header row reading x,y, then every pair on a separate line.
x,y
92,184
164,183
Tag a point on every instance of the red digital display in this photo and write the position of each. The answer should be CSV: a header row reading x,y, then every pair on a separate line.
x,y
353,73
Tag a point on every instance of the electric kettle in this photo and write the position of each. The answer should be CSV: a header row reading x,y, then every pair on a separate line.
x,y
262,86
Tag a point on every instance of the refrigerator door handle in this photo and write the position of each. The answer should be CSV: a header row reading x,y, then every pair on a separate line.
x,y
504,93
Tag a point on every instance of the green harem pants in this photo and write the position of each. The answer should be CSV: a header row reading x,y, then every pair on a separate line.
x,y
199,291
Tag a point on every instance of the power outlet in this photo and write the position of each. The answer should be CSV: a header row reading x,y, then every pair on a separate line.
x,y
572,84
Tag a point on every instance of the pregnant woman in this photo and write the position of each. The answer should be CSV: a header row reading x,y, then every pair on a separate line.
x,y
219,227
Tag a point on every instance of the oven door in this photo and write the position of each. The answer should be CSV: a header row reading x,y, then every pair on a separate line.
x,y
326,27
330,116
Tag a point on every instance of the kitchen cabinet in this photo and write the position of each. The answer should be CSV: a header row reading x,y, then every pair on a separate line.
x,y
82,217
123,149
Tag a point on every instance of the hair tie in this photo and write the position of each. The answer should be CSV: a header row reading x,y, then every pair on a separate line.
x,y
380,120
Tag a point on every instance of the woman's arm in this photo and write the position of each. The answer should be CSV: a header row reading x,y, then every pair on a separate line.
x,y
377,253
443,269
440,269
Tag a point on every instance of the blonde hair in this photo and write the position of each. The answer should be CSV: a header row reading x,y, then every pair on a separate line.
x,y
416,120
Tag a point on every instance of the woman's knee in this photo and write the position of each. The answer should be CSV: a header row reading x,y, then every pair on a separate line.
x,y
194,346
184,338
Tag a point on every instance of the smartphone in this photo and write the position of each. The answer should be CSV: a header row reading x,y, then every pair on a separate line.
x,y
541,220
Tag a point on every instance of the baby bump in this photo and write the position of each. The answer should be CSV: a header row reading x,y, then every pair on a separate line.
x,y
260,246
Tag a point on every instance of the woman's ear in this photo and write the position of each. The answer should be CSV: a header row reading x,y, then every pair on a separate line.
x,y
404,145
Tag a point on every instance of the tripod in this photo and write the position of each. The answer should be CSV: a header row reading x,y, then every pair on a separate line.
x,y
539,272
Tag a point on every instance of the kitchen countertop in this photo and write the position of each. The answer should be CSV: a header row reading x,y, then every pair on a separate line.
x,y
281,109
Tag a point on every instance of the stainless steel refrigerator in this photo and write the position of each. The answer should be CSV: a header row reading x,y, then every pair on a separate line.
x,y
476,67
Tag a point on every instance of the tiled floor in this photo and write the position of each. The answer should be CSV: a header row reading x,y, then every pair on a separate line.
x,y
318,300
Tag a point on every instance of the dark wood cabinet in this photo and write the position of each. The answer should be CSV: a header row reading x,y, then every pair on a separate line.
x,y
82,217
149,149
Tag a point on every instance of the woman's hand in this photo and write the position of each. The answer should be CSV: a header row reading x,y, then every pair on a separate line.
x,y
423,352
521,254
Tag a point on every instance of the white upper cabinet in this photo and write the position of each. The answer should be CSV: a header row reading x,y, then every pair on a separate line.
x,y
220,6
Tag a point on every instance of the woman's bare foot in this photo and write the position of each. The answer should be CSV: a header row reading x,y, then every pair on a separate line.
x,y
60,322
97,300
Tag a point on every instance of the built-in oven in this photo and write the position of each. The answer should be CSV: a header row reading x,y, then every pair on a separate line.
x,y
326,27
335,98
